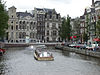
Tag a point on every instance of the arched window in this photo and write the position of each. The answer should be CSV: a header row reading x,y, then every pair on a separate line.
x,y
31,35
31,23
20,22
24,35
20,34
23,22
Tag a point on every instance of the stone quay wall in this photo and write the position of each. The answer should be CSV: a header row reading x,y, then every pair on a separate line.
x,y
80,51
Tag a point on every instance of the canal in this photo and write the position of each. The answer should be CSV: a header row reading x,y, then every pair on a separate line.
x,y
20,61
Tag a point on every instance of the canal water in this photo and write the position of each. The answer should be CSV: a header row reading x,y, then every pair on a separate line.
x,y
20,61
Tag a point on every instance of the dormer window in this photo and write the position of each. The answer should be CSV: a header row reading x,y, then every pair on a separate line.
x,y
12,11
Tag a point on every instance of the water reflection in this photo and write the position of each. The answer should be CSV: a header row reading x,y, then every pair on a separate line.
x,y
80,56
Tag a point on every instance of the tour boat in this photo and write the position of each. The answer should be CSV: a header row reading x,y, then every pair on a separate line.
x,y
41,54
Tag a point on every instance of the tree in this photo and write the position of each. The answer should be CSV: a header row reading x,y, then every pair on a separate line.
x,y
85,37
65,28
3,19
76,28
68,27
98,28
87,26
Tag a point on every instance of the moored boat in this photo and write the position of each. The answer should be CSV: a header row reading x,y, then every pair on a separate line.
x,y
2,51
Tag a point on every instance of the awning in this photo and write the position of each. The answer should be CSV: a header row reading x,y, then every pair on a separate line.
x,y
96,39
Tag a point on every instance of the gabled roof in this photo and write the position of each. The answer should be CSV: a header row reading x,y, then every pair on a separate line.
x,y
12,7
39,9
46,10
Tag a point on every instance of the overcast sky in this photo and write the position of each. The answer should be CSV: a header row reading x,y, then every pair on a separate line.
x,y
72,7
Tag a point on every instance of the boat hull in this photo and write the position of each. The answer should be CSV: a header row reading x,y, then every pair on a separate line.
x,y
43,58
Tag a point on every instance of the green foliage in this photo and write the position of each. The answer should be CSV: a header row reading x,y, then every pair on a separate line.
x,y
68,28
3,19
87,23
85,37
98,28
65,28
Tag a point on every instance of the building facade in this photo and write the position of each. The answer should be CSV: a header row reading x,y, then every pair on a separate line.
x,y
21,25
40,17
52,26
42,25
97,10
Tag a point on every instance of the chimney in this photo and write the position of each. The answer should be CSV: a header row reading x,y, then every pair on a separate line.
x,y
93,3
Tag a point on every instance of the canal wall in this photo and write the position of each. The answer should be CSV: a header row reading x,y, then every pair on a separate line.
x,y
28,44
80,51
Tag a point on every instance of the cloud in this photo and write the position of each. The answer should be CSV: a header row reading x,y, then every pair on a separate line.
x,y
61,1
72,7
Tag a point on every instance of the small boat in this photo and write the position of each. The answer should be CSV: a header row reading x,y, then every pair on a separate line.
x,y
41,54
2,51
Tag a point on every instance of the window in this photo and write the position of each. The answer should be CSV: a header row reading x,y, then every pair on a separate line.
x,y
20,22
24,35
47,32
24,22
12,11
20,35
50,16
31,23
34,23
53,25
54,33
16,22
31,27
47,39
11,27
11,21
16,34
16,27
45,15
47,25
19,26
12,35
24,26
31,35
40,24
57,16
12,16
